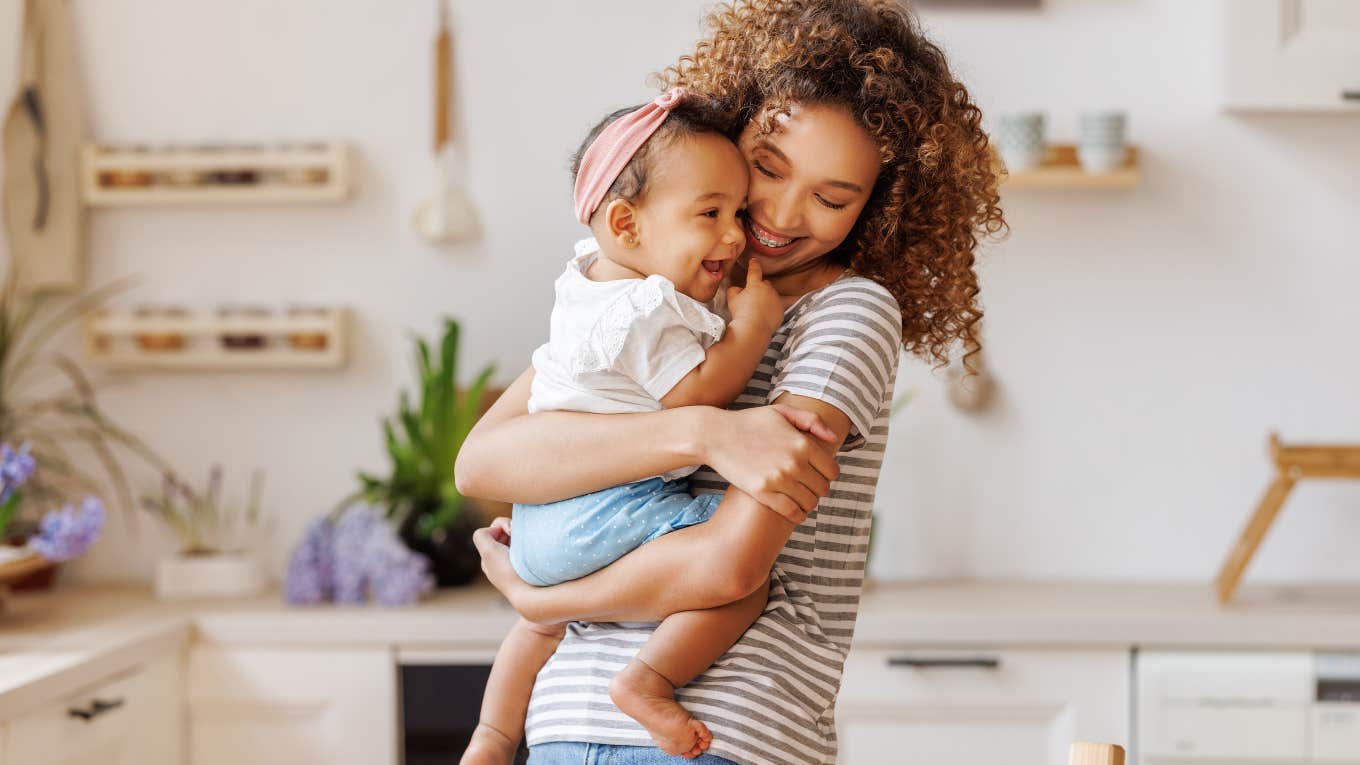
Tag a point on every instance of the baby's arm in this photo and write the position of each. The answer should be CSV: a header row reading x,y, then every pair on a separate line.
x,y
729,363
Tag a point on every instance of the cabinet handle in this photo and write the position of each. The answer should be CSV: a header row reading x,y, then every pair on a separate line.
x,y
97,707
979,662
1350,95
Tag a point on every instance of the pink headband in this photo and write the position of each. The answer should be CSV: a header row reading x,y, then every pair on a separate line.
x,y
611,150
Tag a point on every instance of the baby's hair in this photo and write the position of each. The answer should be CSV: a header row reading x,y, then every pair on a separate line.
x,y
692,116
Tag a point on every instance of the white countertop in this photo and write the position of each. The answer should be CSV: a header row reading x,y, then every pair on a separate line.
x,y
53,643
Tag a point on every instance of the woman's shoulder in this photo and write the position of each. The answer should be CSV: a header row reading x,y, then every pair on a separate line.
x,y
852,298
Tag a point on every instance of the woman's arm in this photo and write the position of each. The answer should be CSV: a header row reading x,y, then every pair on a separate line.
x,y
772,453
512,456
702,566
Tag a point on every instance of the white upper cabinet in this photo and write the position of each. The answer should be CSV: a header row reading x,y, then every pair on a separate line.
x,y
1291,55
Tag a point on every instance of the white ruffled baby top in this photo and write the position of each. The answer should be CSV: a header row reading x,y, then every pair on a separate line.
x,y
618,346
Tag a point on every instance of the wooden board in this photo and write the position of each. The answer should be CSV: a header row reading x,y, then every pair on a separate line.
x,y
1060,169
110,340
156,166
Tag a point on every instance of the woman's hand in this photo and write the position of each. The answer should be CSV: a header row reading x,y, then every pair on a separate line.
x,y
778,454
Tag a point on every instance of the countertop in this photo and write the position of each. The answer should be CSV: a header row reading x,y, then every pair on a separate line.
x,y
54,642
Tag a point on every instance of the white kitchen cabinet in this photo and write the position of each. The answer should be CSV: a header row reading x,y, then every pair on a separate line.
x,y
134,718
1291,55
261,706
979,706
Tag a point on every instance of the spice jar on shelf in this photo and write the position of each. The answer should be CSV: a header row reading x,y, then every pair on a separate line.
x,y
232,177
126,179
186,177
304,176
101,341
308,339
161,338
240,338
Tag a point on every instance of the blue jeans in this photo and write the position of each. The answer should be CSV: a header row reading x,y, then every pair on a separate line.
x,y
573,753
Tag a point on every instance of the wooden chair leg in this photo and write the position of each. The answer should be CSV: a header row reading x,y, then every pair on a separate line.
x,y
1240,556
1091,753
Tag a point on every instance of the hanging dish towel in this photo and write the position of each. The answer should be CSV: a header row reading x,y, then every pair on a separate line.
x,y
43,132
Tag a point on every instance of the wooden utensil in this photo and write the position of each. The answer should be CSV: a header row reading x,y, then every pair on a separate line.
x,y
1292,463
1090,753
447,215
43,130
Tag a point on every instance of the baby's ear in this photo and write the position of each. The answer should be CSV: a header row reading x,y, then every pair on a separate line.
x,y
621,222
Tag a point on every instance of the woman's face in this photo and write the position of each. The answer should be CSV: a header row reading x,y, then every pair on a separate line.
x,y
809,181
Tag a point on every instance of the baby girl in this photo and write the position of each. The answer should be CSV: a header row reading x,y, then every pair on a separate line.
x,y
634,329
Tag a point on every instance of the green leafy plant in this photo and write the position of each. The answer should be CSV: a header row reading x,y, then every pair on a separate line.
x,y
205,523
47,402
423,440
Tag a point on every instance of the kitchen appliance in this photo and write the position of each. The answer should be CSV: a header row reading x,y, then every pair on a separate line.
x,y
1278,707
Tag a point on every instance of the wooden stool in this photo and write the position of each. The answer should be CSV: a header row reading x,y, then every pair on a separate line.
x,y
1291,463
1089,753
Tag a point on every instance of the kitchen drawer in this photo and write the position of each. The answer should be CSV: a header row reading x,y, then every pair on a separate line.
x,y
129,719
267,705
965,706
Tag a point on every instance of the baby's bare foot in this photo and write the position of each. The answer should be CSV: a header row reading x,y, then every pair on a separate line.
x,y
488,747
644,695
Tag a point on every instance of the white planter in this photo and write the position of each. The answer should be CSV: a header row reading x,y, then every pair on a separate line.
x,y
222,575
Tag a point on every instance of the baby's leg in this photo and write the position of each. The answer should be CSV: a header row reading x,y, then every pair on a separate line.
x,y
684,645
689,569
522,654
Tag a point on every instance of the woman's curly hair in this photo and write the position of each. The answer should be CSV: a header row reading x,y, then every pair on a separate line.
x,y
936,192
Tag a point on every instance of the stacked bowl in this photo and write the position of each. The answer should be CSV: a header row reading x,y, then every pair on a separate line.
x,y
1020,141
1102,147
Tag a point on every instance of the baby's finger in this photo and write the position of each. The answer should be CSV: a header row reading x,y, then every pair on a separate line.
x,y
732,293
500,529
753,273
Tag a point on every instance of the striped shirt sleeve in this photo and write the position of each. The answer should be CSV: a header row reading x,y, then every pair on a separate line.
x,y
843,350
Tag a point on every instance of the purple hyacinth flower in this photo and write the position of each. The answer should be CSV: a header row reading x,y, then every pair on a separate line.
x,y
372,562
16,467
310,577
353,533
68,532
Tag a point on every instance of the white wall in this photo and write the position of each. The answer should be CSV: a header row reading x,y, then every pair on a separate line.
x,y
1146,341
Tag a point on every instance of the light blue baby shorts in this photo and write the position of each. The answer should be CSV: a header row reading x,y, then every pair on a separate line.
x,y
566,540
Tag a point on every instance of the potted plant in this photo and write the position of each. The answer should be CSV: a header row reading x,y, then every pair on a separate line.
x,y
62,534
217,539
48,404
419,494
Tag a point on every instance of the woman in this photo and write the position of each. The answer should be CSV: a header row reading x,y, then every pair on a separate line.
x,y
871,182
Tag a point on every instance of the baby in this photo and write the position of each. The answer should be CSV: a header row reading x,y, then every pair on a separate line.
x,y
662,190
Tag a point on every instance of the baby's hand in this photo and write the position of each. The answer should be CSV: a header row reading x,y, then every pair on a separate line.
x,y
757,302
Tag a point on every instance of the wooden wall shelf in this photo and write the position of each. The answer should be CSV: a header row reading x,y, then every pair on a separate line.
x,y
112,175
1061,170
316,339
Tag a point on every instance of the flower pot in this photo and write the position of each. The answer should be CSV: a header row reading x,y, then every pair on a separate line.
x,y
209,575
36,575
453,558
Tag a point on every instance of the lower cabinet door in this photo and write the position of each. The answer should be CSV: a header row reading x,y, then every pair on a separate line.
x,y
252,706
966,706
131,719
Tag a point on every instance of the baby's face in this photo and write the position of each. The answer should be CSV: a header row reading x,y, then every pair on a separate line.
x,y
687,219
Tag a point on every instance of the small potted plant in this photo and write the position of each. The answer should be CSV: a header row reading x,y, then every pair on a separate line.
x,y
419,494
48,406
61,535
218,539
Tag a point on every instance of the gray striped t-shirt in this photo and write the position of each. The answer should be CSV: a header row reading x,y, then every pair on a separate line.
x,y
770,699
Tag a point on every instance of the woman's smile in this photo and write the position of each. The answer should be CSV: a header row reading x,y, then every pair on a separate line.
x,y
766,242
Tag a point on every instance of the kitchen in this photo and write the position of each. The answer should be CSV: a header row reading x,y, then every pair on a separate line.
x,y
1048,537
